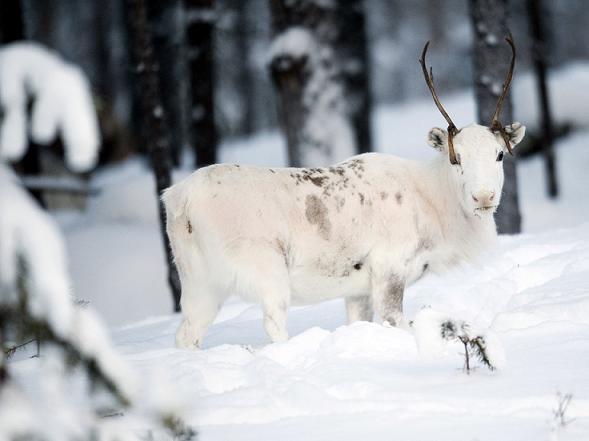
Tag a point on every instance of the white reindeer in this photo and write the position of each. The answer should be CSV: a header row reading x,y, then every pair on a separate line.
x,y
363,229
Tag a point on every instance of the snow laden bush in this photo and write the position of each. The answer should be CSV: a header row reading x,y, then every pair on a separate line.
x,y
84,390
434,330
61,105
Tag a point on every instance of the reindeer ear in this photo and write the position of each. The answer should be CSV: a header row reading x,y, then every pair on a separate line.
x,y
515,131
438,138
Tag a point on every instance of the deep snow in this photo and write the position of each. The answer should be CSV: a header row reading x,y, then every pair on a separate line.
x,y
367,381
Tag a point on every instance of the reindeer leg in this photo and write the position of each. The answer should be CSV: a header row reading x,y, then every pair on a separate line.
x,y
387,295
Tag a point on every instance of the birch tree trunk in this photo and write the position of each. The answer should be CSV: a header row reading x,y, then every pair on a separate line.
x,y
200,16
320,71
154,124
491,58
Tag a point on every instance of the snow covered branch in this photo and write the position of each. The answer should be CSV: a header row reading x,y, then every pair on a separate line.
x,y
62,105
35,303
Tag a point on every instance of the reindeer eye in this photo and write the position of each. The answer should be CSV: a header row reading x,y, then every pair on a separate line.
x,y
500,157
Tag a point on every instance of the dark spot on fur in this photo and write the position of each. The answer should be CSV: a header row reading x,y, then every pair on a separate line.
x,y
337,170
424,244
314,175
237,165
284,250
383,195
392,307
318,180
218,182
272,171
189,227
399,197
316,213
356,165
358,266
361,198
425,267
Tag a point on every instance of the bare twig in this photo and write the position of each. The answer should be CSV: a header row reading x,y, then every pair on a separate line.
x,y
564,400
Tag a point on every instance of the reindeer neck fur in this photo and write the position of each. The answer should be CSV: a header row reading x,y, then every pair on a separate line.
x,y
465,234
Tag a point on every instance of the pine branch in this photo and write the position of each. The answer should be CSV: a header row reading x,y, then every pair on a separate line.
x,y
459,331
479,346
11,350
179,430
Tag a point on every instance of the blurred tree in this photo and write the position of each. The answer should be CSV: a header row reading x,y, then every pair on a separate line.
x,y
154,119
12,29
319,67
200,18
245,81
11,21
166,20
491,60
536,16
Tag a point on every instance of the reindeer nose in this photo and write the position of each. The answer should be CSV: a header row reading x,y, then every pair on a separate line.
x,y
484,198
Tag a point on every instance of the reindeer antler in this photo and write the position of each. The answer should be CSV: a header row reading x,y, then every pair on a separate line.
x,y
452,130
495,123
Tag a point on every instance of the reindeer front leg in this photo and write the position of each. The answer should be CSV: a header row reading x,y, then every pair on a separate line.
x,y
387,296
359,308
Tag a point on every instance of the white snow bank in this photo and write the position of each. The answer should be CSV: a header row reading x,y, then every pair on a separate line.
x,y
62,104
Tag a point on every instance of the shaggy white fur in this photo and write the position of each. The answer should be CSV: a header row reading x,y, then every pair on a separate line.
x,y
362,229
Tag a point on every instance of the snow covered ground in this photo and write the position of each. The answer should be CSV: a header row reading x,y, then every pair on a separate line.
x,y
364,381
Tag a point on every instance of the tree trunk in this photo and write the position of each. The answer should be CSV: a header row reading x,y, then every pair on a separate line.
x,y
320,71
491,62
245,81
539,58
200,16
154,123
165,18
11,21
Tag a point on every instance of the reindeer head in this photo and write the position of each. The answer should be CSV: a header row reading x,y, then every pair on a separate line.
x,y
476,152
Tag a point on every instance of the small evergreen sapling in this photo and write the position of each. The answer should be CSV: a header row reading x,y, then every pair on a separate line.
x,y
474,345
